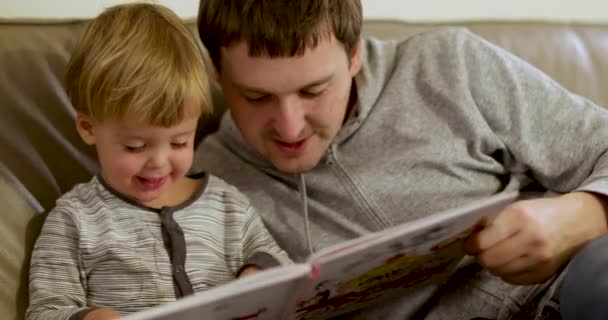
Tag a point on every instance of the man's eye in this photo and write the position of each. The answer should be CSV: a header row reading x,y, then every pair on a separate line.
x,y
311,94
179,145
134,149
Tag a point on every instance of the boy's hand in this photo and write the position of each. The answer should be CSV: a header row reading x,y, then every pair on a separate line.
x,y
249,270
102,314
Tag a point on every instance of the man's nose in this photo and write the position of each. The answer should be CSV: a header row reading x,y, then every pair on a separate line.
x,y
290,119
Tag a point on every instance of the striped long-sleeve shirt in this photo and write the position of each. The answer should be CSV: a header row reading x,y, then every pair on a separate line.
x,y
98,249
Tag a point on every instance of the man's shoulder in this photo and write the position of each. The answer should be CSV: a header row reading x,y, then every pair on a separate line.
x,y
441,39
436,34
441,34
422,49
440,51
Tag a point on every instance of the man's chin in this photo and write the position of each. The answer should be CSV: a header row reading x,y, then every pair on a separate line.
x,y
294,166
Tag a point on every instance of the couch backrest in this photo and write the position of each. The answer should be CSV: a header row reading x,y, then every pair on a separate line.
x,y
42,157
40,146
573,54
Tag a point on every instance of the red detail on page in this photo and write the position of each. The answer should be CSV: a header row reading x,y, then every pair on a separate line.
x,y
315,271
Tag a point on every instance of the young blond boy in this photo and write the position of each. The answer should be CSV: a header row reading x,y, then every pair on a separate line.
x,y
141,232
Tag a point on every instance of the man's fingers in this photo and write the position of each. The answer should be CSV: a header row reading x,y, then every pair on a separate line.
x,y
513,268
503,227
503,253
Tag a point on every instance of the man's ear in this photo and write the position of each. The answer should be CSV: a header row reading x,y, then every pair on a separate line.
x,y
85,127
355,58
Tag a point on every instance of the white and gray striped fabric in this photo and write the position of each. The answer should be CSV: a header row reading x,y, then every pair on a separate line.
x,y
97,249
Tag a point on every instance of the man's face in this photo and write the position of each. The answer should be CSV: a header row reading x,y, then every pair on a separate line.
x,y
289,108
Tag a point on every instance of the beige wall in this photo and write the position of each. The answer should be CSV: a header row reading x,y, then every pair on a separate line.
x,y
431,10
79,8
415,10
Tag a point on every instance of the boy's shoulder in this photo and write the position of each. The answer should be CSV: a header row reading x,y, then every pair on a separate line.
x,y
218,187
214,181
81,193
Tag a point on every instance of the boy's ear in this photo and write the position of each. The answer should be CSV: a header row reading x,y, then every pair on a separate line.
x,y
86,130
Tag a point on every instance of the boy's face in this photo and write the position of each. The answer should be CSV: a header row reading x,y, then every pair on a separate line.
x,y
138,160
289,108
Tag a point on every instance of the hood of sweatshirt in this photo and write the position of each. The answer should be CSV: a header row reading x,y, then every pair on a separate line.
x,y
377,57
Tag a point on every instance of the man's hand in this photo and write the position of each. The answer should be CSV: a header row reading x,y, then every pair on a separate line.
x,y
532,239
102,314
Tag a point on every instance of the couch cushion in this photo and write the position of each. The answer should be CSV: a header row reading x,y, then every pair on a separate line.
x,y
572,54
40,145
38,138
19,228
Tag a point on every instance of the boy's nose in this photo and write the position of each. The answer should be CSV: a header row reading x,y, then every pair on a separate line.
x,y
157,160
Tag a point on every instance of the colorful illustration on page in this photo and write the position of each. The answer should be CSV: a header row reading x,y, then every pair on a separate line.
x,y
251,316
399,271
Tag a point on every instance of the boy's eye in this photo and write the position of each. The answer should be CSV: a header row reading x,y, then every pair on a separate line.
x,y
134,149
257,98
179,145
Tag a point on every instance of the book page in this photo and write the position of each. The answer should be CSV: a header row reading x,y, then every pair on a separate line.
x,y
394,261
270,294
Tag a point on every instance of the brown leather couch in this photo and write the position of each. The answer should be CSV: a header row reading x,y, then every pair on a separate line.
x,y
41,156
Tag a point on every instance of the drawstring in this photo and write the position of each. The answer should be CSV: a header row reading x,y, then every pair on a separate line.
x,y
304,203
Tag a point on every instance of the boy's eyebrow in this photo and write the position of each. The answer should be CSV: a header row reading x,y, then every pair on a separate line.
x,y
130,137
310,85
185,133
134,137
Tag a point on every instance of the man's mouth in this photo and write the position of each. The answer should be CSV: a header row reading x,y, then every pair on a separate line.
x,y
290,145
291,148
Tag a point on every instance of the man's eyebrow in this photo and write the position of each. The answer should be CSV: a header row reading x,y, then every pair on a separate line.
x,y
318,82
313,84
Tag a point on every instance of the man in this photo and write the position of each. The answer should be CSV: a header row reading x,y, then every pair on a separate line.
x,y
584,289
332,137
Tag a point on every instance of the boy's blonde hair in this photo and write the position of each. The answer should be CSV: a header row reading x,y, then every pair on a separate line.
x,y
138,61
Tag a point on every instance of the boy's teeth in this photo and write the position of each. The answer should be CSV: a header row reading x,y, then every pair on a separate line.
x,y
153,180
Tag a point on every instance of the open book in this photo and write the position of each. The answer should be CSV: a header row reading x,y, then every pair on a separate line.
x,y
346,276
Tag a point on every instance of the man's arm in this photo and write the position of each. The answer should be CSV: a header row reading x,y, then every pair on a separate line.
x,y
531,240
548,134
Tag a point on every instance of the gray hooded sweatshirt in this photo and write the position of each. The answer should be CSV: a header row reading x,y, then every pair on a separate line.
x,y
441,119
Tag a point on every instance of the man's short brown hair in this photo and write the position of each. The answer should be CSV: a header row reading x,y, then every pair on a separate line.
x,y
277,28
